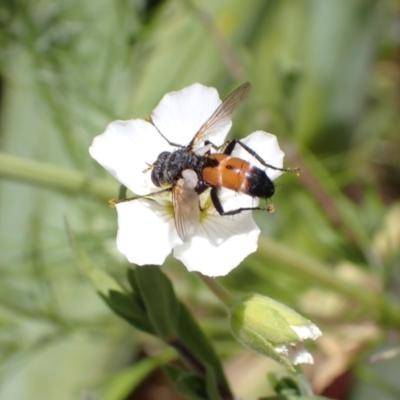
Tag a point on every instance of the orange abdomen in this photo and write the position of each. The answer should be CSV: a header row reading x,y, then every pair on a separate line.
x,y
230,173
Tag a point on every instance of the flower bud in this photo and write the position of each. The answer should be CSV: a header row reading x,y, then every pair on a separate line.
x,y
272,329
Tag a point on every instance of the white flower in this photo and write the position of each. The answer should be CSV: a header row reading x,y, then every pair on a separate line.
x,y
296,351
147,232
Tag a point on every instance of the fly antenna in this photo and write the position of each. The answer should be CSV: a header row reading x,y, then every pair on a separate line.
x,y
149,119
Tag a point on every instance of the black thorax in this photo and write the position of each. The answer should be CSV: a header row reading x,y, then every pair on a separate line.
x,y
169,166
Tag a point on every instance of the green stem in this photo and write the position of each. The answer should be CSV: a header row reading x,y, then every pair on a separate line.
x,y
222,294
51,176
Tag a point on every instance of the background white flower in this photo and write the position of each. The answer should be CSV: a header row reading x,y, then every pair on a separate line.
x,y
147,232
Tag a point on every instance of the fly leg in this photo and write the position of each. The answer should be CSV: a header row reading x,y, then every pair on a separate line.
x,y
224,148
228,147
114,202
200,188
218,206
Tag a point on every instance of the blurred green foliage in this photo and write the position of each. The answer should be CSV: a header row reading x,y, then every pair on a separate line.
x,y
326,79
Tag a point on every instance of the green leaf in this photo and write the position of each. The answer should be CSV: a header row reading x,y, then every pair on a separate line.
x,y
199,345
102,282
160,301
294,398
174,323
291,386
289,383
194,385
122,384
127,307
212,384
135,286
188,384
132,280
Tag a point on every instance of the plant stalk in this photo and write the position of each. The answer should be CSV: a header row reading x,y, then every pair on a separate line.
x,y
222,294
48,175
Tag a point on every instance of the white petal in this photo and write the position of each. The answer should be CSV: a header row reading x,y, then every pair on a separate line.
x,y
179,115
232,200
146,232
296,353
267,147
126,149
307,331
220,244
299,355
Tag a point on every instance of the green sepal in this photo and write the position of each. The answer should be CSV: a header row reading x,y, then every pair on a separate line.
x,y
160,301
261,328
253,313
292,317
262,346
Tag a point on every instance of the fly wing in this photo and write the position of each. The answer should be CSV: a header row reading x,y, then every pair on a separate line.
x,y
221,115
186,204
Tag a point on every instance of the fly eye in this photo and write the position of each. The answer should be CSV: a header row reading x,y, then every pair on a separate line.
x,y
154,177
158,167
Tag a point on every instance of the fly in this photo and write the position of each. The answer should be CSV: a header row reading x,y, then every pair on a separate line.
x,y
190,170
